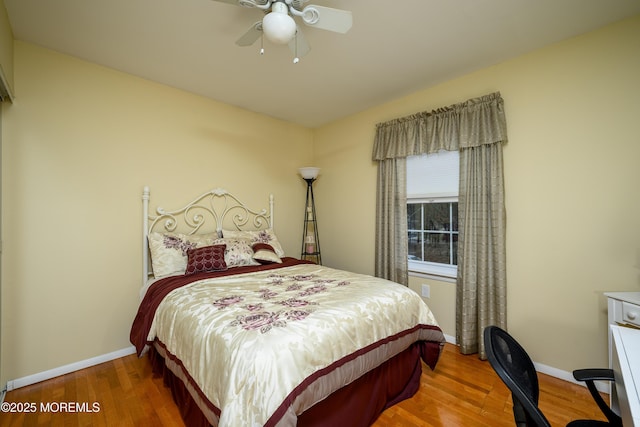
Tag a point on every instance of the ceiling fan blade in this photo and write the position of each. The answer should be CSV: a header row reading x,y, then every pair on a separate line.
x,y
299,45
327,18
228,1
261,4
250,37
298,4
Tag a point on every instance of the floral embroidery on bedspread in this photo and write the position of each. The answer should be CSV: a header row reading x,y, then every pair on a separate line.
x,y
269,331
258,316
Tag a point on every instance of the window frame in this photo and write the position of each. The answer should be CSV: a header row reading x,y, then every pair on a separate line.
x,y
433,177
428,269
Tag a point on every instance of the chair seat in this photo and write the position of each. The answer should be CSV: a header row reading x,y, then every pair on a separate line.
x,y
588,423
515,368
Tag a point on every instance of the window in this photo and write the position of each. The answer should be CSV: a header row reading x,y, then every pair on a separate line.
x,y
432,213
433,237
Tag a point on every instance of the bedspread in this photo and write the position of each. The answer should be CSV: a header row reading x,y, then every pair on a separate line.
x,y
250,341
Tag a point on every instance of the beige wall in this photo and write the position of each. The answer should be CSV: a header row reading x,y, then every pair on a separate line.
x,y
80,142
571,176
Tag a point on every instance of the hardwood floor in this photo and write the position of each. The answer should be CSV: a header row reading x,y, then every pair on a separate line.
x,y
462,391
465,391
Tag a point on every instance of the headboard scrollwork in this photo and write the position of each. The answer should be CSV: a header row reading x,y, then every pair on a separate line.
x,y
211,211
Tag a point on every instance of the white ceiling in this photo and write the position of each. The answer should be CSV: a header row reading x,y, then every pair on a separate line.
x,y
394,47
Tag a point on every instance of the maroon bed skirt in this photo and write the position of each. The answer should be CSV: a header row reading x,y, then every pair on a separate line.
x,y
357,404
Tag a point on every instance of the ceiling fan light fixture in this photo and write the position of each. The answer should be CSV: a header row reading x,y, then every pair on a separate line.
x,y
277,26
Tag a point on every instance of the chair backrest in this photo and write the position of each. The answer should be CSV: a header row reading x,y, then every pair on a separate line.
x,y
514,367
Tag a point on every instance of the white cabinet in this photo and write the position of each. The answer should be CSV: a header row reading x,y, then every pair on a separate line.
x,y
624,310
624,313
625,396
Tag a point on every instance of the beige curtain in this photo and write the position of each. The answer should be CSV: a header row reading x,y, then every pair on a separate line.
x,y
391,223
477,128
481,293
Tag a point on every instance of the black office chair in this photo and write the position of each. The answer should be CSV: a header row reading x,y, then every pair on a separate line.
x,y
514,367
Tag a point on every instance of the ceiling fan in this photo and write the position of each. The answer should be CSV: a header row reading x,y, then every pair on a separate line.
x,y
279,27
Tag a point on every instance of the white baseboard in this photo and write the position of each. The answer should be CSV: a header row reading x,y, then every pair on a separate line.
x,y
72,367
602,386
450,339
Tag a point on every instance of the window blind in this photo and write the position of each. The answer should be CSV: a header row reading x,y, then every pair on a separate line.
x,y
433,175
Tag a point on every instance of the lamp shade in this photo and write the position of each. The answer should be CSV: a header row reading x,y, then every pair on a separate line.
x,y
278,27
309,173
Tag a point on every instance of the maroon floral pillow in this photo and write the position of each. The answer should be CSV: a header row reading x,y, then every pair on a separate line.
x,y
206,258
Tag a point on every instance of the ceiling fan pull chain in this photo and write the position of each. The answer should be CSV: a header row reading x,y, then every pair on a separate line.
x,y
296,59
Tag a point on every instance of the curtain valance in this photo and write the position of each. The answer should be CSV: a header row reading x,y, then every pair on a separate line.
x,y
472,123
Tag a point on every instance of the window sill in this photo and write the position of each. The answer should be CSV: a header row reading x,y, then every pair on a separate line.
x,y
434,271
432,276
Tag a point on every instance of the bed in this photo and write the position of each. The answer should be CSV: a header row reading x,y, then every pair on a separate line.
x,y
247,336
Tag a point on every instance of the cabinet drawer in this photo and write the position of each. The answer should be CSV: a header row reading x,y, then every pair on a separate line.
x,y
631,313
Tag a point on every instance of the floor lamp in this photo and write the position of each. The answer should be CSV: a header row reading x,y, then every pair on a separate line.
x,y
310,241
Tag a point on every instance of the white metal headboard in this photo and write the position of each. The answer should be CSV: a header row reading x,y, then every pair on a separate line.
x,y
217,207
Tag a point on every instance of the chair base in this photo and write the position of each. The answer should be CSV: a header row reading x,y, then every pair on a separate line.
x,y
588,423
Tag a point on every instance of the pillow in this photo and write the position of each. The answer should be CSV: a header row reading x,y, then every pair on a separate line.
x,y
206,258
257,236
238,252
169,251
265,254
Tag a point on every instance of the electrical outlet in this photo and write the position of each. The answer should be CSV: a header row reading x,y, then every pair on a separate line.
x,y
426,291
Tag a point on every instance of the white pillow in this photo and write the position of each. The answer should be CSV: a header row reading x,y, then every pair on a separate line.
x,y
169,251
237,253
257,236
264,254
